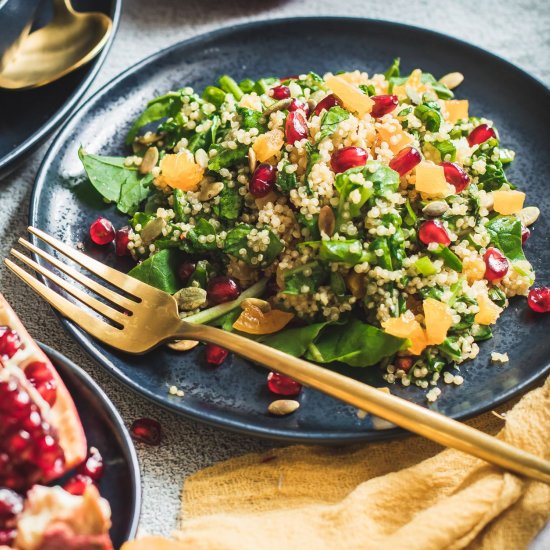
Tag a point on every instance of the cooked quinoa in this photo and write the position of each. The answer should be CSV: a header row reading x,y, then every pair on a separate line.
x,y
372,216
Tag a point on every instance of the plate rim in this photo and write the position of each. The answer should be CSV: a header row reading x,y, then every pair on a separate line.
x,y
10,162
211,418
65,364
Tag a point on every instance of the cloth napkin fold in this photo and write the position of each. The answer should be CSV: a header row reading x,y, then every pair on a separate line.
x,y
404,494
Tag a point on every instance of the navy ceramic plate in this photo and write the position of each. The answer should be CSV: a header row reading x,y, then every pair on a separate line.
x,y
235,395
105,430
27,117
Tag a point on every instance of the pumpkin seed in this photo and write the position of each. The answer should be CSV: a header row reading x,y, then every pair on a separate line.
x,y
262,305
528,215
277,106
149,161
210,190
183,345
148,138
251,160
356,284
435,208
152,230
281,407
190,298
452,80
327,221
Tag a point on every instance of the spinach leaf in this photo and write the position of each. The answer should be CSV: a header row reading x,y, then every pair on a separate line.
x,y
193,243
312,275
251,119
494,177
313,157
294,341
237,240
337,283
159,270
203,140
180,201
164,106
226,321
230,204
393,70
330,121
357,344
350,252
505,232
311,224
384,260
227,157
285,181
451,349
369,89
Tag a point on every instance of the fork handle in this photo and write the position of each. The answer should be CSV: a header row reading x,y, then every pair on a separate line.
x,y
412,417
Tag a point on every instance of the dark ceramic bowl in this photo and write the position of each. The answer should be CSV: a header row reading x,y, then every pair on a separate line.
x,y
16,18
235,395
105,429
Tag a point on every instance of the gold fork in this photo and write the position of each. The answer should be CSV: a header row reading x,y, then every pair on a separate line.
x,y
152,319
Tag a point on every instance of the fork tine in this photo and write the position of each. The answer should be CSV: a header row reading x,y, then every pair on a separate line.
x,y
100,307
124,282
113,297
97,328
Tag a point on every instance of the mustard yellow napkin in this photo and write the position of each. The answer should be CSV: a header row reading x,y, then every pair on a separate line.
x,y
394,495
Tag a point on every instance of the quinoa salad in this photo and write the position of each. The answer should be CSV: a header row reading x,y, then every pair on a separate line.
x,y
348,218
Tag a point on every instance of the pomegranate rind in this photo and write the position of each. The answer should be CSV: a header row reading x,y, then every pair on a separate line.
x,y
63,415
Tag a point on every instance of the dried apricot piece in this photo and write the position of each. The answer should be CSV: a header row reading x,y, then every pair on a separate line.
x,y
181,171
254,321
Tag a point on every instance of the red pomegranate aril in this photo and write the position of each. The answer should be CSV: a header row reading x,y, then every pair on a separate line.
x,y
147,431
496,264
525,233
122,238
326,103
456,176
295,127
405,160
348,157
383,104
222,289
7,536
433,231
280,384
77,484
215,355
102,231
186,270
480,134
298,105
40,377
280,92
262,180
9,342
93,465
539,299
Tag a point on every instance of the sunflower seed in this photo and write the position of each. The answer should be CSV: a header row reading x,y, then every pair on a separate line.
x,y
183,345
251,160
452,80
262,305
152,230
277,106
210,190
149,161
528,215
435,208
190,298
281,407
327,221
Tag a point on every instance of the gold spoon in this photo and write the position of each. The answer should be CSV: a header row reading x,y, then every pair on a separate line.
x,y
69,41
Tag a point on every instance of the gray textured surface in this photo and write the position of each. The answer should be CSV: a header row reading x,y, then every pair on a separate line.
x,y
516,30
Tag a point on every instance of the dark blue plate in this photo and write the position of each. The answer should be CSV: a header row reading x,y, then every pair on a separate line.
x,y
27,117
235,396
105,429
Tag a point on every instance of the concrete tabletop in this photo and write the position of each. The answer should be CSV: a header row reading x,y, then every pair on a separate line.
x,y
516,30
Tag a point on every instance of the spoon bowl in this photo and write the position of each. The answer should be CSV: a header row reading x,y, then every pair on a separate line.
x,y
69,41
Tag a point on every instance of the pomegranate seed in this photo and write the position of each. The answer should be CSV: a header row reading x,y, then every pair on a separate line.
x,y
122,238
280,384
9,342
456,176
262,180
93,465
215,355
77,484
298,105
222,289
295,127
185,270
433,231
102,231
405,160
525,233
348,157
326,103
539,299
41,378
146,430
480,134
404,363
280,92
383,104
7,537
496,264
